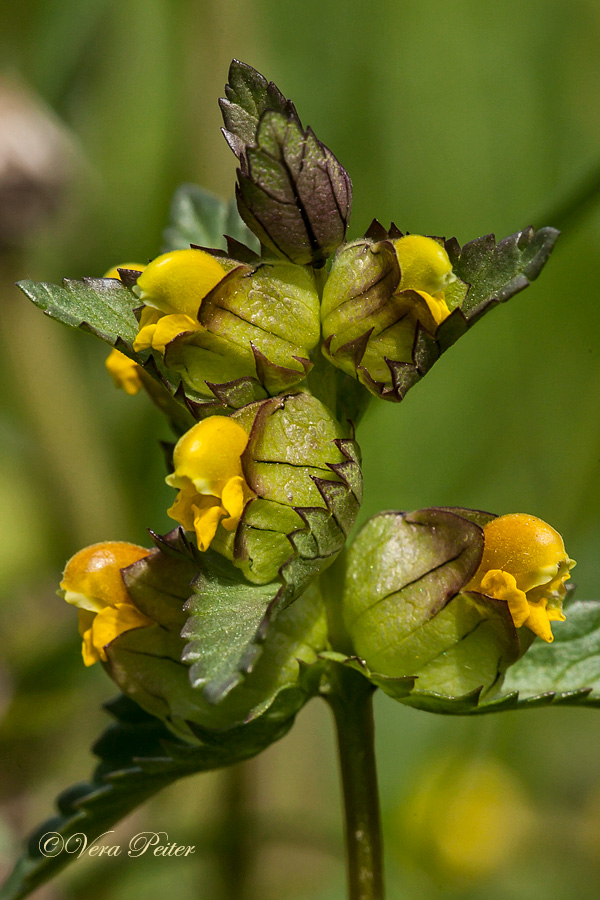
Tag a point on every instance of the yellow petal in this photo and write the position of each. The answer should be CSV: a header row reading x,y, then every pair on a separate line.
x,y
148,321
178,281
181,510
526,546
234,497
143,341
88,651
124,372
113,621
539,621
168,327
555,615
424,264
436,308
150,316
207,516
209,454
502,586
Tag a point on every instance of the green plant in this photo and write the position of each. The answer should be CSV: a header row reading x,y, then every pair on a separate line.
x,y
263,353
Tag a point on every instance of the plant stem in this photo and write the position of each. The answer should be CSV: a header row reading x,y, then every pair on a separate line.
x,y
351,702
236,845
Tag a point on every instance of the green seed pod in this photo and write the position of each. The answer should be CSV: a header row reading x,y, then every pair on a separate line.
x,y
286,495
408,611
382,305
219,321
260,323
394,303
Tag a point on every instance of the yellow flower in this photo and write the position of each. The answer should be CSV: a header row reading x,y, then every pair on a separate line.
x,y
525,564
172,287
465,819
156,330
92,582
208,473
426,270
123,371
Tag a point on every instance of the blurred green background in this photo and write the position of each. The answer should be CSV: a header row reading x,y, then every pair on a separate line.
x,y
460,118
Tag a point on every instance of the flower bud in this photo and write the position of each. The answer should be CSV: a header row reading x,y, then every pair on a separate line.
x,y
382,306
525,564
218,321
132,610
442,594
275,480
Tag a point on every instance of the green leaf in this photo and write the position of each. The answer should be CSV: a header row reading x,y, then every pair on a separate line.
x,y
199,217
102,306
293,193
495,272
225,616
571,664
284,663
138,757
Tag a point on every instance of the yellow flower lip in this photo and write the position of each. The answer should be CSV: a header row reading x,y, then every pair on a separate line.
x,y
524,563
92,582
178,281
208,472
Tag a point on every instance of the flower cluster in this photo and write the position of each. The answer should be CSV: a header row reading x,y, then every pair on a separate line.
x,y
263,362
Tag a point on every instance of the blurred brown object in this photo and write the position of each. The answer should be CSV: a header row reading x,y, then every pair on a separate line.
x,y
36,153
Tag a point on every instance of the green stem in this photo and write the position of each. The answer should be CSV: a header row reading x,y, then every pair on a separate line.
x,y
236,844
351,702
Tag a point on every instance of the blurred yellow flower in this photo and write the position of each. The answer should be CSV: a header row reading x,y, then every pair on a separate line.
x,y
124,372
525,563
466,819
208,473
92,582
